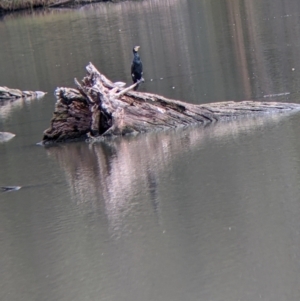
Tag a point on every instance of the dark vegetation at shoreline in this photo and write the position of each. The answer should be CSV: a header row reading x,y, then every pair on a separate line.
x,y
16,5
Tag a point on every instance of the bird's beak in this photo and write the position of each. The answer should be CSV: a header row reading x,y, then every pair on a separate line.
x,y
137,48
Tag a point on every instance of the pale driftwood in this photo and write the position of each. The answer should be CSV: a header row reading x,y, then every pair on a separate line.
x,y
61,3
98,107
6,136
13,94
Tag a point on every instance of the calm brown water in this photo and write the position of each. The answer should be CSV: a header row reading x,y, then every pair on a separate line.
x,y
194,214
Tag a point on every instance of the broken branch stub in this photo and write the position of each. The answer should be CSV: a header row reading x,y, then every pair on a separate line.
x,y
100,107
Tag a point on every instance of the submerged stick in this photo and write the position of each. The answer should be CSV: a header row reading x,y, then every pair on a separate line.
x,y
98,107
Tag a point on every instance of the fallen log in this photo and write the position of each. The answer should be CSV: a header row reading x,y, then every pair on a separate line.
x,y
13,94
98,107
10,6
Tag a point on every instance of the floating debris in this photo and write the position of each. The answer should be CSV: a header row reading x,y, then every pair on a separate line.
x,y
9,188
6,136
276,95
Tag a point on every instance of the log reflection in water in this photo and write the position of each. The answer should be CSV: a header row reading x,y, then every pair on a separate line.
x,y
122,173
7,107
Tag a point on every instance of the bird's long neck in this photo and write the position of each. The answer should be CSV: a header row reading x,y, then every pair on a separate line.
x,y
136,56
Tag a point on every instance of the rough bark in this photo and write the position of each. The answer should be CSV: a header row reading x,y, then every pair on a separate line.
x,y
13,94
10,6
98,107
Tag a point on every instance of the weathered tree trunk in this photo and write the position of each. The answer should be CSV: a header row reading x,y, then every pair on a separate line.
x,y
98,107
13,5
13,94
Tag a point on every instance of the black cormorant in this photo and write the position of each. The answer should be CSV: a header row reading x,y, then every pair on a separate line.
x,y
136,67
